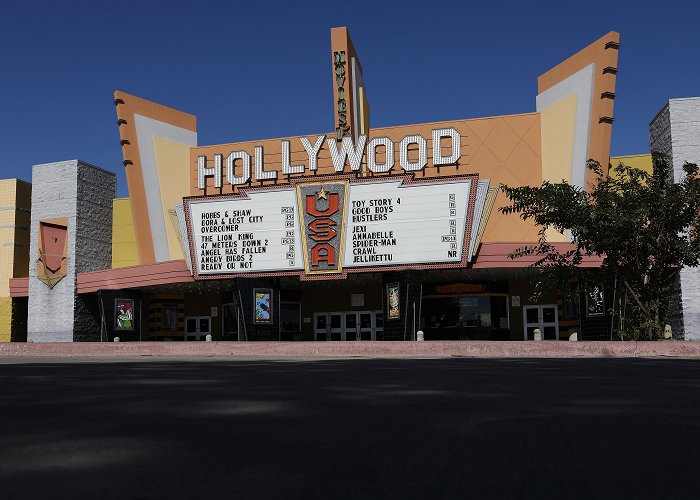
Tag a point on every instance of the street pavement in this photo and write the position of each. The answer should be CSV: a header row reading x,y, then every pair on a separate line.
x,y
349,428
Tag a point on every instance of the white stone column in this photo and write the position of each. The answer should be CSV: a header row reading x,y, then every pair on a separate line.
x,y
675,131
82,194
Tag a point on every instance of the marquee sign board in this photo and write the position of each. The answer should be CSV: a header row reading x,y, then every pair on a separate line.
x,y
390,223
329,227
252,234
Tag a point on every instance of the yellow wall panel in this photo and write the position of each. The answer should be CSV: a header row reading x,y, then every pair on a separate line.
x,y
173,163
123,234
642,162
5,319
15,200
124,251
558,125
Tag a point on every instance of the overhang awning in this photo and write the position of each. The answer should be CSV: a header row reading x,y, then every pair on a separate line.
x,y
161,273
495,255
489,256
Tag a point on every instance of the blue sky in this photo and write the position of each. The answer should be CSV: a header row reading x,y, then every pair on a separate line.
x,y
252,70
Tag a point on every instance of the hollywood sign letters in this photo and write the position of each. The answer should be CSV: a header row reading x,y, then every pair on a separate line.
x,y
342,152
332,226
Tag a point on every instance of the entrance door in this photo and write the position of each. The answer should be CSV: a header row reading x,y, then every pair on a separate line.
x,y
543,317
328,326
320,326
358,325
197,327
347,325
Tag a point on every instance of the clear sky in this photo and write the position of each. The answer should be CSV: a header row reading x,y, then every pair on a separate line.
x,y
256,69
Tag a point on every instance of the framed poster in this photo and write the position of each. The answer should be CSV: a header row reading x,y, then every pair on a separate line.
x,y
393,301
262,304
595,303
124,314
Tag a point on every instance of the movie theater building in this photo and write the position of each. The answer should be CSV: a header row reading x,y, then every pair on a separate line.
x,y
352,233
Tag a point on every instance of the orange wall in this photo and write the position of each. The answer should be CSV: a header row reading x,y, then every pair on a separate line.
x,y
127,106
603,54
504,149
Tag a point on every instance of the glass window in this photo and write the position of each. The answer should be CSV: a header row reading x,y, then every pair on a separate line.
x,y
230,320
366,320
351,321
204,325
549,333
465,317
291,317
532,315
191,325
549,314
169,318
570,306
321,322
379,320
335,320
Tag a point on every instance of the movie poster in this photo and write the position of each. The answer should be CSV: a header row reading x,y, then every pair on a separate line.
x,y
393,302
124,315
263,305
595,303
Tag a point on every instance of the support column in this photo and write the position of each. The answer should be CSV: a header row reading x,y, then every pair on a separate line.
x,y
674,131
70,233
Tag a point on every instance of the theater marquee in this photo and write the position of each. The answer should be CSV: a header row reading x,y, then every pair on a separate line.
x,y
326,228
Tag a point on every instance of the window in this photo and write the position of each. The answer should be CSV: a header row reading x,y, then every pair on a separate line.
x,y
465,317
169,318
291,317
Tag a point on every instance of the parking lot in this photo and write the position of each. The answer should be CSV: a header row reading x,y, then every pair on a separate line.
x,y
349,428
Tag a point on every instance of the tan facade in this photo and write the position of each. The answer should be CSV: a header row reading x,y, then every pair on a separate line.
x,y
572,124
152,136
15,205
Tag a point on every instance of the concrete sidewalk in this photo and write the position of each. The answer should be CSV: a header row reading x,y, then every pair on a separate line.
x,y
306,350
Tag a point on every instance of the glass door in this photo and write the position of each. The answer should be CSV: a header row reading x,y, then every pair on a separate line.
x,y
336,326
351,328
348,325
328,326
366,327
359,326
543,317
321,326
197,327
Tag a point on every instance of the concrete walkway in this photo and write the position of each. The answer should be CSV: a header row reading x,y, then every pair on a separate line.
x,y
307,350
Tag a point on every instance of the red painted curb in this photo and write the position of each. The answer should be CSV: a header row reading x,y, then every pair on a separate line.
x,y
305,350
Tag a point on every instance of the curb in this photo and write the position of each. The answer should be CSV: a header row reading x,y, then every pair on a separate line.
x,y
306,350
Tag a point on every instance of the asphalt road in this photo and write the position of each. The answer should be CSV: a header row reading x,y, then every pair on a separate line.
x,y
353,428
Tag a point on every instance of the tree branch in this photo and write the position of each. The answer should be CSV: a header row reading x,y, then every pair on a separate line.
x,y
636,297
